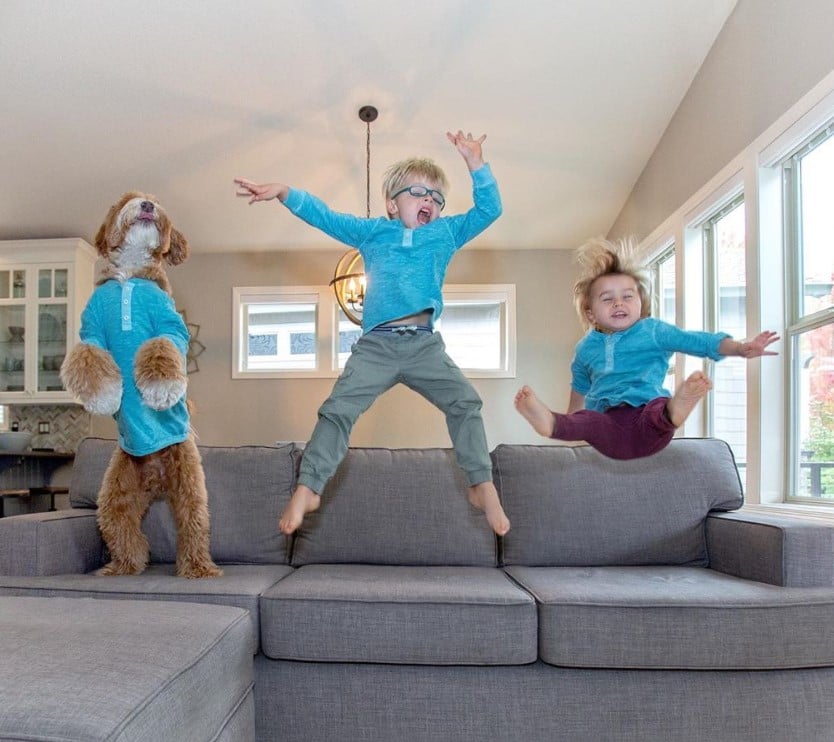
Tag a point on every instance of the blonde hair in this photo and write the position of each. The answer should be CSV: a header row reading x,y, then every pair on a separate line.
x,y
600,257
396,175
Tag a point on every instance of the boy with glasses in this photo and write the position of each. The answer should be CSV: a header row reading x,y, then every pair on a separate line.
x,y
405,257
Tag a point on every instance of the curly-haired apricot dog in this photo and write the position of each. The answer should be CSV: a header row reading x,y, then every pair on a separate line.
x,y
130,363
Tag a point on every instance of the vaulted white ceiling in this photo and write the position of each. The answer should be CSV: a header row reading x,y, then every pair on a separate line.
x,y
177,98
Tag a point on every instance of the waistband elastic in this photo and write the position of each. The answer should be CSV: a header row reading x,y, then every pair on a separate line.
x,y
403,329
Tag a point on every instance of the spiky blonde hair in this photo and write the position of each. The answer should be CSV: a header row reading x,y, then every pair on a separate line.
x,y
402,171
600,257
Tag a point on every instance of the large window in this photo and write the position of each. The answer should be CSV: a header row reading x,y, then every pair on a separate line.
x,y
808,177
298,331
726,309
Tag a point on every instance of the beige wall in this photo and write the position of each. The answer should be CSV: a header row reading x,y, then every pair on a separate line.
x,y
768,55
236,411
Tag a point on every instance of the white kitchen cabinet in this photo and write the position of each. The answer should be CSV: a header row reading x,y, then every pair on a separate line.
x,y
44,286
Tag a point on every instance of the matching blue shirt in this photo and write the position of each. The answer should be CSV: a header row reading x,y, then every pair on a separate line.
x,y
628,367
405,268
118,318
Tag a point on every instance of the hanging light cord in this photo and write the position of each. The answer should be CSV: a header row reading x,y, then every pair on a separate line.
x,y
368,170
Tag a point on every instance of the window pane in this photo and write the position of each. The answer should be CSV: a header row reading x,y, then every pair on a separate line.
x,y
349,333
280,336
817,229
472,333
729,403
664,272
814,378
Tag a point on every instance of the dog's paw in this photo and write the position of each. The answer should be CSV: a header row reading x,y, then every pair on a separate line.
x,y
116,567
198,570
162,395
107,401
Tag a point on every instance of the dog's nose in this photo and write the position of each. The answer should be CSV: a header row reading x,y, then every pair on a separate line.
x,y
146,206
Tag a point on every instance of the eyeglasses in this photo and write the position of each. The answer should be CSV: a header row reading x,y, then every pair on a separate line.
x,y
420,191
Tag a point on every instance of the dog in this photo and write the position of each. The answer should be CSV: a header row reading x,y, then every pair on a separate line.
x,y
130,364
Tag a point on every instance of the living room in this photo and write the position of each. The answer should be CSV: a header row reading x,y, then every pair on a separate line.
x,y
758,100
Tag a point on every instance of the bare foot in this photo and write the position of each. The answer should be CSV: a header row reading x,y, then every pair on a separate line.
x,y
484,496
686,398
535,412
303,501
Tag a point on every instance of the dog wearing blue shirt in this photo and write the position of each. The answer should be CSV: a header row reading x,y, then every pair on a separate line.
x,y
131,364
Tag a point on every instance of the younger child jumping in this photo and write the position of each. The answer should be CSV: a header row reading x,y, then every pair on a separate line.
x,y
617,401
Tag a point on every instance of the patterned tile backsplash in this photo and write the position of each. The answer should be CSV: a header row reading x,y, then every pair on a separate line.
x,y
67,424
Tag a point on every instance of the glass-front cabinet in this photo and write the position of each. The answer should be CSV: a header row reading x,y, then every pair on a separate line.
x,y
44,285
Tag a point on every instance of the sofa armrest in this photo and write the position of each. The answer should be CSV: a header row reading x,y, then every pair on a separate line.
x,y
58,542
777,549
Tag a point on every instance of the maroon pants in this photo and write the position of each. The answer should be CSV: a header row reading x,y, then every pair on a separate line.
x,y
620,432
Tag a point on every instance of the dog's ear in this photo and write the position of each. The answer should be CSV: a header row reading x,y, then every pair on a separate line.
x,y
100,242
178,250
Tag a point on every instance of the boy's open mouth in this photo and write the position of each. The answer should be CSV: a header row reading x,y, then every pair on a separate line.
x,y
424,216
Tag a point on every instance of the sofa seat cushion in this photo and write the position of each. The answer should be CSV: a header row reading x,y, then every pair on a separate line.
x,y
676,618
241,585
83,669
572,506
399,614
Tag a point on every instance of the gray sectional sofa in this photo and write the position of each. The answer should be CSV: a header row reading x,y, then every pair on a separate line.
x,y
628,602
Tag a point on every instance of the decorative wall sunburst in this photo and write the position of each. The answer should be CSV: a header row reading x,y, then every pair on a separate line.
x,y
195,347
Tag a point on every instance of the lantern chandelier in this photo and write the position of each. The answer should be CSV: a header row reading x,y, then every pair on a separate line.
x,y
349,281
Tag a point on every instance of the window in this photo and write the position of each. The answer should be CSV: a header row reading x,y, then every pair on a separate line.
x,y
279,332
726,311
662,271
808,181
297,331
478,326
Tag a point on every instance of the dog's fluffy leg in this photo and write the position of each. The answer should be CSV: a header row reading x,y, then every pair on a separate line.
x,y
160,376
122,503
188,500
92,375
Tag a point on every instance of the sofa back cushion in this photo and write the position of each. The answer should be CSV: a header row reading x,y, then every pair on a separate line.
x,y
399,507
572,506
248,488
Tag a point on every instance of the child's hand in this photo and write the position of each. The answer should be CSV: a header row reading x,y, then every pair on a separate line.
x,y
260,191
469,147
756,347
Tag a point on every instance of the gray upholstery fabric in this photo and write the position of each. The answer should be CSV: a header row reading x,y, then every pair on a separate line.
x,y
780,550
676,617
306,701
414,615
117,670
572,506
248,488
239,586
50,543
405,506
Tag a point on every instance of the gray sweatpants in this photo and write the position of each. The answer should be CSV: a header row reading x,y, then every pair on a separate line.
x,y
378,361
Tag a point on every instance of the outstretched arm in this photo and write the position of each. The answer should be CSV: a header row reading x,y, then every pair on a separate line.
x,y
749,348
469,148
261,191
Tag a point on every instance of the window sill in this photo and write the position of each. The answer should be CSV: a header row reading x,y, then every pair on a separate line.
x,y
809,512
